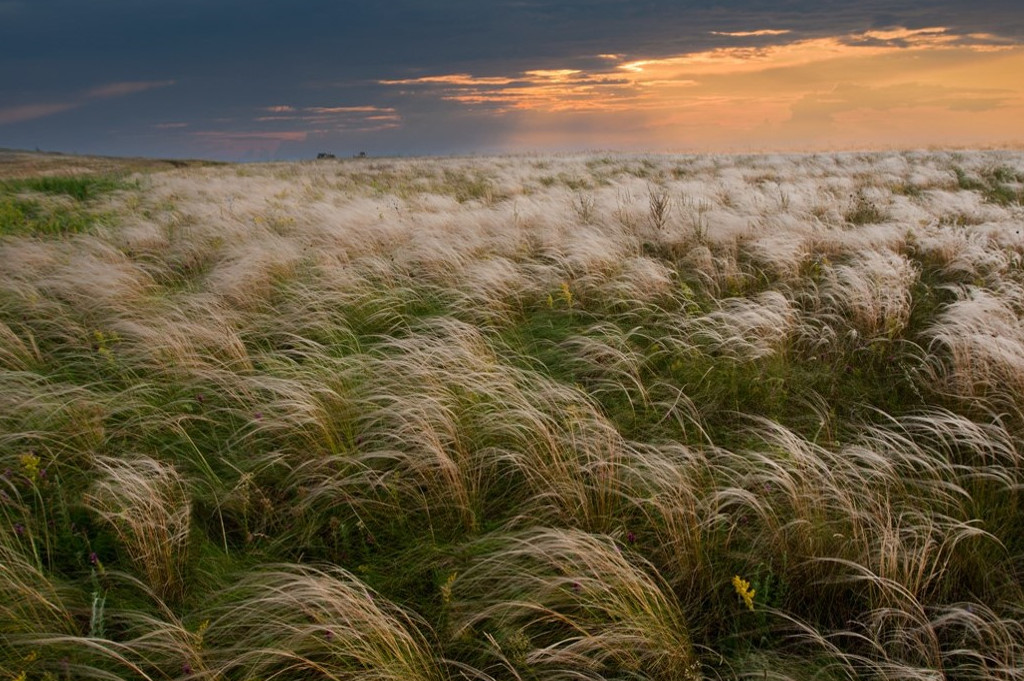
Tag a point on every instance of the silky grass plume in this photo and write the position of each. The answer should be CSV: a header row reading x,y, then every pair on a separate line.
x,y
427,420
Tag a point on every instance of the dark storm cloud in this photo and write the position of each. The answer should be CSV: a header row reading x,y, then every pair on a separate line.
x,y
229,60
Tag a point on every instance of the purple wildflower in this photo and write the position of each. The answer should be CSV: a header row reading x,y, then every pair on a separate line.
x,y
94,559
631,537
19,529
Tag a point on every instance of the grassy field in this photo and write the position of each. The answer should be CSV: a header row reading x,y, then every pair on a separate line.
x,y
568,418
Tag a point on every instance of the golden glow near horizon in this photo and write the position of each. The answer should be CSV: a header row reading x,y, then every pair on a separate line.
x,y
893,87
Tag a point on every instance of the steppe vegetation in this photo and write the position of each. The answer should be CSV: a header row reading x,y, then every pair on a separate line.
x,y
573,418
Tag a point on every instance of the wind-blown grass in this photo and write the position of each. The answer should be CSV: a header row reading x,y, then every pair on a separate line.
x,y
516,418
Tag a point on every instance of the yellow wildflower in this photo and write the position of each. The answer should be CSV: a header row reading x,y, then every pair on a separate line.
x,y
30,465
744,591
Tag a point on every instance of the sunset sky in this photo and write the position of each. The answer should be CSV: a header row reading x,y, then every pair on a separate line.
x,y
265,79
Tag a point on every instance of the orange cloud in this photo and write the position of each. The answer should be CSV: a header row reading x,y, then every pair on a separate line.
x,y
749,34
540,89
895,86
451,79
346,109
557,75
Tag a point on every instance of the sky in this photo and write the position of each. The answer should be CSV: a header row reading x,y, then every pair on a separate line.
x,y
267,79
